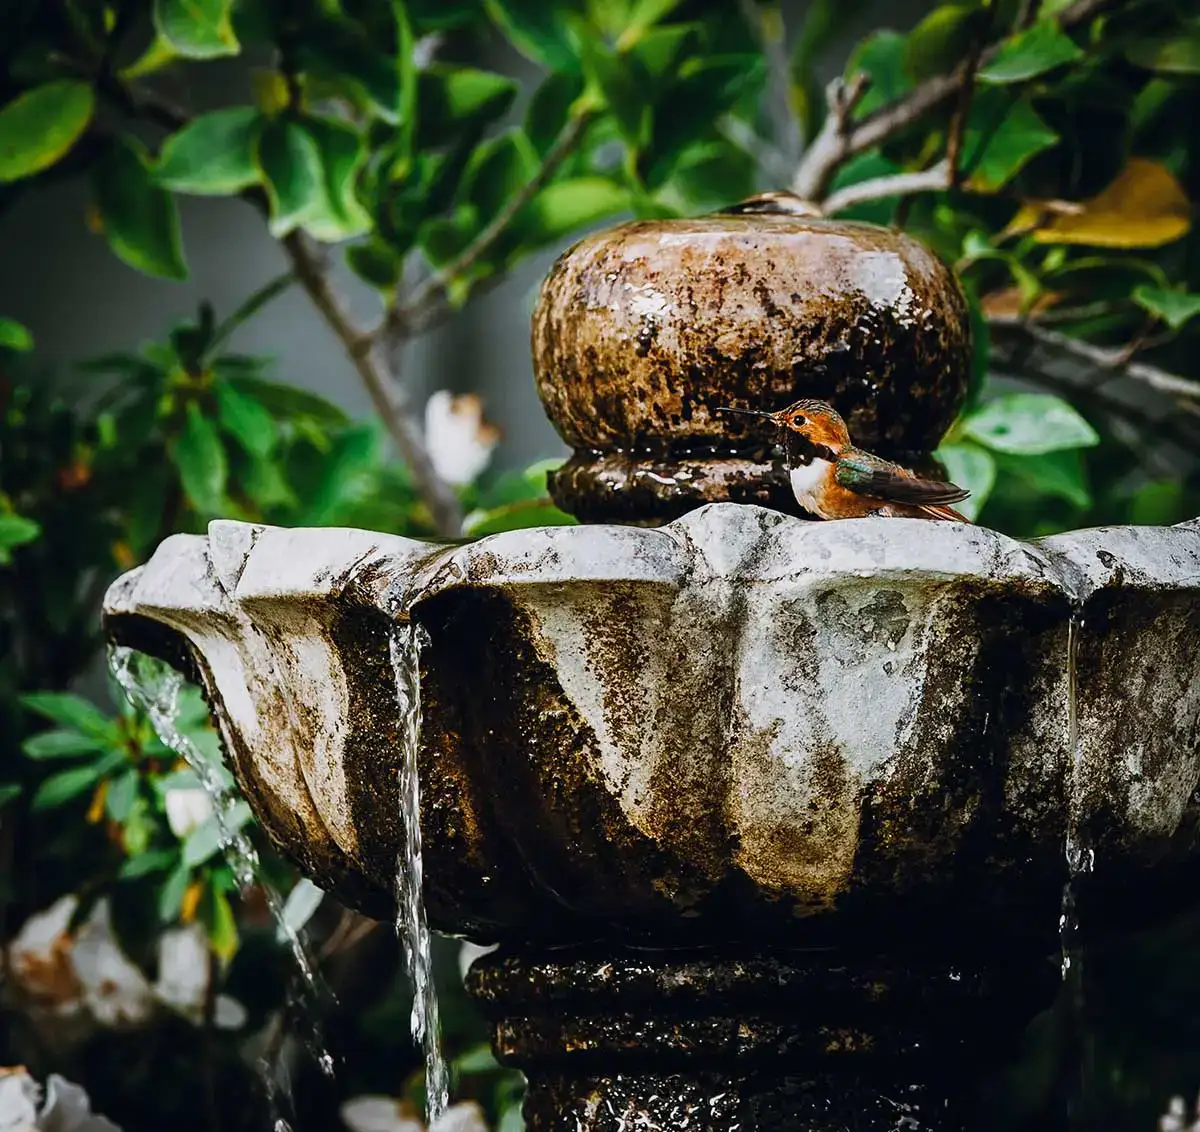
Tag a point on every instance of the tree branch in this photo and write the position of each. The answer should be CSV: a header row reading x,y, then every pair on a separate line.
x,y
367,355
772,41
933,179
411,317
839,140
1116,362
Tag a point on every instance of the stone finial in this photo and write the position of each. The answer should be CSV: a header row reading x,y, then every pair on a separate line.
x,y
642,331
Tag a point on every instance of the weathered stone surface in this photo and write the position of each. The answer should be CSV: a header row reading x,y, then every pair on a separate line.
x,y
739,725
643,331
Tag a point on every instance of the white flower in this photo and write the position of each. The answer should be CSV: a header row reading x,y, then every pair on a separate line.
x,y
188,808
1177,1118
387,1114
183,978
40,959
66,1109
115,990
460,442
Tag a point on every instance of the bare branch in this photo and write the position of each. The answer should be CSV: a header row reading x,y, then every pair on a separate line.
x,y
933,179
367,355
406,320
831,146
1115,361
838,140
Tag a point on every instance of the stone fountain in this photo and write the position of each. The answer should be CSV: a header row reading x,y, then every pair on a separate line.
x,y
771,818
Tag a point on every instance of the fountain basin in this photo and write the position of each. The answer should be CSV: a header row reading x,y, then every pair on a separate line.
x,y
737,726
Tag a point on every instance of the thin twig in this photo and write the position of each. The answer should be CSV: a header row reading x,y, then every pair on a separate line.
x,y
1102,357
838,140
391,402
269,291
411,317
962,111
933,179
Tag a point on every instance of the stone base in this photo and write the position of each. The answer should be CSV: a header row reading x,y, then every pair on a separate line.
x,y
802,1040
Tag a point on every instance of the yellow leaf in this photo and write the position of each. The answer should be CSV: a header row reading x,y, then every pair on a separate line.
x,y
270,90
96,809
1144,207
191,901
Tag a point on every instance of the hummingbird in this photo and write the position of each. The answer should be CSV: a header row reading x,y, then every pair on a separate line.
x,y
834,480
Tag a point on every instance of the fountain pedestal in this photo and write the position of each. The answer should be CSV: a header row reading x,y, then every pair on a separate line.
x,y
710,1042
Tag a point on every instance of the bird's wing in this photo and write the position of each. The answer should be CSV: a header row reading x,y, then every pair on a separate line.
x,y
869,475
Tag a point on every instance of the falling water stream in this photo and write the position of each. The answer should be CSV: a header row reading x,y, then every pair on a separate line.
x,y
1080,860
153,687
405,643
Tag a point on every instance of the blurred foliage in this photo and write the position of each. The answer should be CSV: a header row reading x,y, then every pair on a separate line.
x,y
371,126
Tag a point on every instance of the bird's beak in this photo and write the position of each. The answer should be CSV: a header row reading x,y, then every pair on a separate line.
x,y
747,412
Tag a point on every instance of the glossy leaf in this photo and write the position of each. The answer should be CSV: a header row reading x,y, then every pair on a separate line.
x,y
200,457
882,56
14,336
1032,52
286,402
1177,54
1059,475
941,40
568,205
59,744
550,107
375,263
140,218
453,99
41,125
1174,307
999,141
71,711
293,175
499,168
213,154
245,419
61,788
196,29
973,468
537,29
1029,424
15,530
339,215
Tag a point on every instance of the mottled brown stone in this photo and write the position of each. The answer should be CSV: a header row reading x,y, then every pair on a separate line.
x,y
642,332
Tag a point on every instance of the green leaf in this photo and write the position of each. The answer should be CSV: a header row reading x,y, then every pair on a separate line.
x,y
217,915
1159,504
940,41
1174,307
1032,52
9,791
200,458
62,787
375,263
284,402
170,896
15,530
549,109
196,29
498,169
140,218
59,744
611,84
341,153
479,1059
13,336
866,167
882,56
245,419
1061,475
453,99
121,794
144,863
973,468
69,710
213,155
1029,424
205,841
516,516
564,206
999,141
41,125
292,172
1177,54
536,29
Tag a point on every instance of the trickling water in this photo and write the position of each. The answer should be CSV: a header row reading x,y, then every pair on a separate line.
x,y
153,688
1080,860
405,643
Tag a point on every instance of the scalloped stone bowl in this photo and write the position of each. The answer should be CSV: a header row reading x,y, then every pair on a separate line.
x,y
738,725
